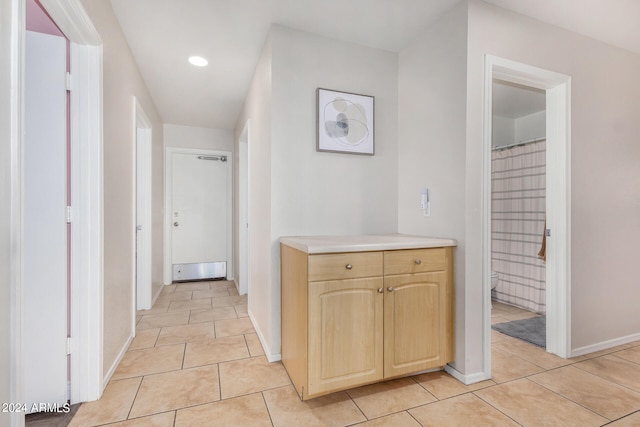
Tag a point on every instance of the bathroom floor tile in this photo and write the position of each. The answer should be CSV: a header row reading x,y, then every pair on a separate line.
x,y
247,410
533,354
558,411
632,420
192,286
614,369
211,314
287,409
590,391
630,354
186,333
225,328
165,419
215,351
384,398
175,390
211,293
192,304
443,385
507,366
145,338
399,419
460,411
175,296
253,343
241,310
252,375
227,301
161,320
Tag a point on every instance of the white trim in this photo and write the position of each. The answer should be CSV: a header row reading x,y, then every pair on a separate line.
x,y
169,151
467,379
270,357
605,345
87,198
142,139
558,88
118,359
243,210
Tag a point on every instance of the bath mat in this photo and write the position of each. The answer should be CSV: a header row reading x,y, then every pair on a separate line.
x,y
533,330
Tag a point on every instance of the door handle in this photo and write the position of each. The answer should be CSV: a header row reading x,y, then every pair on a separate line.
x,y
175,224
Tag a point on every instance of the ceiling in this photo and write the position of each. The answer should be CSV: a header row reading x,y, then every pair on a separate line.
x,y
162,34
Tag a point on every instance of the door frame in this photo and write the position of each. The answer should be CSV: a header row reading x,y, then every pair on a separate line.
x,y
168,201
243,207
558,115
142,137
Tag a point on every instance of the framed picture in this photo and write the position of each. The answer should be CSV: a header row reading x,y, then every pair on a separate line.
x,y
345,122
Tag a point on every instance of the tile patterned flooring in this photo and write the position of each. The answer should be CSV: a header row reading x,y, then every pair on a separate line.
x,y
196,361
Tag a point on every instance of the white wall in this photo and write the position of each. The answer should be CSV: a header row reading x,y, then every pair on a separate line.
x,y
531,126
122,81
431,134
502,131
311,192
9,170
605,103
198,137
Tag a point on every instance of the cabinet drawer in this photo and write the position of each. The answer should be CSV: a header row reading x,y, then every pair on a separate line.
x,y
344,266
415,261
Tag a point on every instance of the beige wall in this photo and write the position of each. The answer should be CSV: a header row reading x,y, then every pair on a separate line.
x,y
432,140
605,177
198,137
9,138
122,81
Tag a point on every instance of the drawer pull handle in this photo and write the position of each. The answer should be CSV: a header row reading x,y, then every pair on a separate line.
x,y
390,288
418,262
348,266
380,290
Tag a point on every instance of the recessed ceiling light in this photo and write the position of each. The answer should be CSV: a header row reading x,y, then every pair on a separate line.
x,y
198,61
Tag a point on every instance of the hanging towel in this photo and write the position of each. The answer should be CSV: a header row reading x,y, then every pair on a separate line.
x,y
542,253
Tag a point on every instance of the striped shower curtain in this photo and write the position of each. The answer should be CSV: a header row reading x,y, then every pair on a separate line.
x,y
518,176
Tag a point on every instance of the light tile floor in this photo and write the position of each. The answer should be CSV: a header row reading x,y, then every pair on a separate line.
x,y
196,361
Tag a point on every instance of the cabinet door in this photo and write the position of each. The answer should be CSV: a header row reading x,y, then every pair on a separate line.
x,y
345,333
415,323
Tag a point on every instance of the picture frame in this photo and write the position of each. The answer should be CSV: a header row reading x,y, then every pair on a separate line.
x,y
345,122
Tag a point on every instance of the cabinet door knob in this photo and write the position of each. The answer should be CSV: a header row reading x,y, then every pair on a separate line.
x,y
380,290
348,266
390,288
418,262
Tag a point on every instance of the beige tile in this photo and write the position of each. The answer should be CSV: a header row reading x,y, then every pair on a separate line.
x,y
614,369
384,398
543,407
233,291
499,337
221,284
211,314
399,419
443,385
186,333
520,316
145,338
241,310
137,363
240,411
531,353
214,351
225,328
226,301
193,304
287,409
460,411
502,308
631,354
590,391
211,293
253,342
192,286
167,289
165,419
161,320
175,296
114,405
250,376
176,389
632,420
159,307
507,366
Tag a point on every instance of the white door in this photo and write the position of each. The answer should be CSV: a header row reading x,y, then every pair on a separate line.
x,y
45,228
199,215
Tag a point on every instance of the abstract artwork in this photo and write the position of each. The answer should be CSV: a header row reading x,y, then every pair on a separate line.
x,y
345,122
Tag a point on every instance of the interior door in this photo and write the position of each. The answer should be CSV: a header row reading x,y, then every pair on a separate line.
x,y
199,216
45,227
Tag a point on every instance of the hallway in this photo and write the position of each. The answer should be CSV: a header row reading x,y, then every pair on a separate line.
x,y
196,360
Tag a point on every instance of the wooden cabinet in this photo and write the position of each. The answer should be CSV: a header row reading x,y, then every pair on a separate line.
x,y
355,318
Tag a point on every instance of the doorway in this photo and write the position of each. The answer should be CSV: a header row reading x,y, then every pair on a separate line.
x,y
557,88
198,220
243,222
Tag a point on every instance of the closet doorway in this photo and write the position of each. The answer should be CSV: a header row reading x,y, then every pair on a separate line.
x,y
557,90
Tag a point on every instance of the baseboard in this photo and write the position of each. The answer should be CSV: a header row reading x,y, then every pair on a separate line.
x,y
467,379
116,362
270,357
604,345
155,297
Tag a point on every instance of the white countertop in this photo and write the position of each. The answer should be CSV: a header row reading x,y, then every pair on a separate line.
x,y
377,242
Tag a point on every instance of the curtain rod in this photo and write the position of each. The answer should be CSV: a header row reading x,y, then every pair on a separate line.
x,y
517,144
